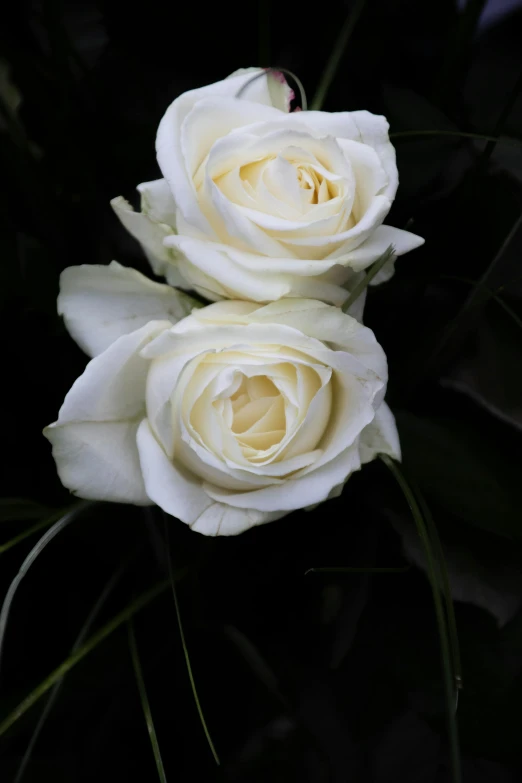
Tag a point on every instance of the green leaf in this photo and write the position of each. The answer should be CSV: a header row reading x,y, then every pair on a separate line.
x,y
423,154
408,112
256,662
459,327
462,469
496,343
483,569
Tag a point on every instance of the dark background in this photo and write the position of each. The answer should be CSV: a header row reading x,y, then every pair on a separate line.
x,y
317,677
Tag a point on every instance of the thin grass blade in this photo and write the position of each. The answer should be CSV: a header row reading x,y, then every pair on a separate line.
x,y
446,656
23,510
84,650
35,552
185,649
457,51
145,701
499,127
337,52
263,31
361,570
82,636
446,589
26,533
256,662
491,293
474,301
365,282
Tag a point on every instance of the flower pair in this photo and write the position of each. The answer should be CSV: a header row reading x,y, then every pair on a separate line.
x,y
234,414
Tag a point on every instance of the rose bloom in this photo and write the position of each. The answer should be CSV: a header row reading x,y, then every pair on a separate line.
x,y
261,203
234,416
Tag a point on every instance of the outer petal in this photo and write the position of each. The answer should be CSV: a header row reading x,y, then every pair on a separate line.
x,y
279,91
156,221
149,234
227,279
180,494
369,251
330,325
223,520
371,129
94,439
217,271
168,141
380,437
157,202
312,488
99,460
101,303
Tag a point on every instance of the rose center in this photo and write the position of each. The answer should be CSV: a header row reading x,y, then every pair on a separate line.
x,y
318,188
258,413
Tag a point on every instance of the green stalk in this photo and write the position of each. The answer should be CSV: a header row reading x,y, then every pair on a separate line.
x,y
35,695
263,32
26,533
439,615
336,54
446,589
145,701
84,632
457,51
365,282
473,302
185,649
38,548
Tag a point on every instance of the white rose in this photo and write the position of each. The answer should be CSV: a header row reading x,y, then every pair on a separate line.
x,y
234,416
258,203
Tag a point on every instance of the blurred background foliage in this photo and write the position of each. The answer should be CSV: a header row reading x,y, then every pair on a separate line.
x,y
301,676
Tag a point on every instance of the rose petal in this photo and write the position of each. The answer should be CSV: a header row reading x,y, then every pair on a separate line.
x,y
294,493
101,303
94,439
99,460
168,141
380,437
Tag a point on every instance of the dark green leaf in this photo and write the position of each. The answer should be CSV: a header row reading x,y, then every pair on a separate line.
x,y
489,372
463,471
